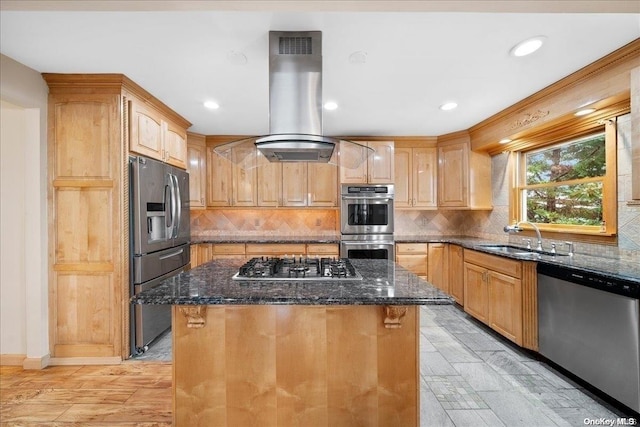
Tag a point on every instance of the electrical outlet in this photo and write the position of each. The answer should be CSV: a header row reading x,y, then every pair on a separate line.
x,y
256,222
318,222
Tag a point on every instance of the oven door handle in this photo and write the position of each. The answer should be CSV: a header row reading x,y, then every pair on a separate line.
x,y
368,243
366,198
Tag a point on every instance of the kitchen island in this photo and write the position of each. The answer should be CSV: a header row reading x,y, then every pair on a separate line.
x,y
288,353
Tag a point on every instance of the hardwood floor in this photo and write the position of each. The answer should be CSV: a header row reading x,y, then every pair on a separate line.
x,y
130,394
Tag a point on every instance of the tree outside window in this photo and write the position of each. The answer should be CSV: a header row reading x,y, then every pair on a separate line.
x,y
568,187
564,183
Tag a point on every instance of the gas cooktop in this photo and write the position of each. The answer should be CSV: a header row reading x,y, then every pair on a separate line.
x,y
298,269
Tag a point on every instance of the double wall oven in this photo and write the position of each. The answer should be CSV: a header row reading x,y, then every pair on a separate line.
x,y
366,217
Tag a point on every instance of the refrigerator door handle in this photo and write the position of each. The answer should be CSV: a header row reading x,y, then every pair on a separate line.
x,y
168,207
178,205
171,255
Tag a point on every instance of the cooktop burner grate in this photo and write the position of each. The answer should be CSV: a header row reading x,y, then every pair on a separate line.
x,y
297,268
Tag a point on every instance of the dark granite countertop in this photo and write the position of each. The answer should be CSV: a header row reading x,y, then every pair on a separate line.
x,y
606,267
611,268
328,238
384,283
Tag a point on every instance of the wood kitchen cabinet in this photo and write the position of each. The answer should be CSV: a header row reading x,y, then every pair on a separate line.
x,y
323,250
493,293
154,136
464,176
426,260
197,168
438,266
413,257
322,185
204,252
415,177
476,292
275,249
296,184
269,182
456,273
93,121
231,182
377,169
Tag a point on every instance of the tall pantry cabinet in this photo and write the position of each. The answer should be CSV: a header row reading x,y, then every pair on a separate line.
x,y
89,132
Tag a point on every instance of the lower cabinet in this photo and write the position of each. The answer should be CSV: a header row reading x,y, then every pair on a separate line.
x,y
205,252
275,249
413,257
456,273
323,250
426,260
493,293
438,266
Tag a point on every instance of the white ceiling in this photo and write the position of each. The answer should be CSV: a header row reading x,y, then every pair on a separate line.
x,y
418,54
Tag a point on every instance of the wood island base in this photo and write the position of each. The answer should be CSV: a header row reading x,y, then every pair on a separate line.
x,y
295,365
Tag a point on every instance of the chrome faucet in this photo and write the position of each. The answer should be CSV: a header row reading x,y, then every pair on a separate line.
x,y
516,228
570,245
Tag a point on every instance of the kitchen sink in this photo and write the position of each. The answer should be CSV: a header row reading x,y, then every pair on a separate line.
x,y
517,250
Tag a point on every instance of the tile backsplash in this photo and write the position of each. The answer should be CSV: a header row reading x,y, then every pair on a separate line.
x,y
212,222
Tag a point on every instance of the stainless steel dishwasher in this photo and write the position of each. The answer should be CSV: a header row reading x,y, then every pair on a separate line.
x,y
590,325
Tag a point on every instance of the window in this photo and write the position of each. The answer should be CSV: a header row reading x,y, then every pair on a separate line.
x,y
570,186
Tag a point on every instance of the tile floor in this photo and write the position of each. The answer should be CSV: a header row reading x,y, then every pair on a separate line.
x,y
473,377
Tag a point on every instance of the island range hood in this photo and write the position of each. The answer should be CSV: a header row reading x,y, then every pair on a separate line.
x,y
295,104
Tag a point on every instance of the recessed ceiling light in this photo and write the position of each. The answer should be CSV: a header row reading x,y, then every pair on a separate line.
x,y
527,47
448,106
212,105
330,105
504,141
584,112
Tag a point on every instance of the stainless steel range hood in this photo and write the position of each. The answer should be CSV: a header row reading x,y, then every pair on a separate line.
x,y
295,104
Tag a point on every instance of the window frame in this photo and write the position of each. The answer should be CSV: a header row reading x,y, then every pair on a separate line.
x,y
599,234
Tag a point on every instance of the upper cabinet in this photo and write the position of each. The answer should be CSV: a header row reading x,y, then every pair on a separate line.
x,y
175,145
197,168
322,185
231,182
153,135
377,169
415,177
251,180
269,182
464,176
296,184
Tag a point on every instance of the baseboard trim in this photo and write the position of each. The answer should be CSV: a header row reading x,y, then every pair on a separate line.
x,y
36,362
69,361
12,359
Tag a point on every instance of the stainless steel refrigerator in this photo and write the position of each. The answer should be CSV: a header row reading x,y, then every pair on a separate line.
x,y
160,235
